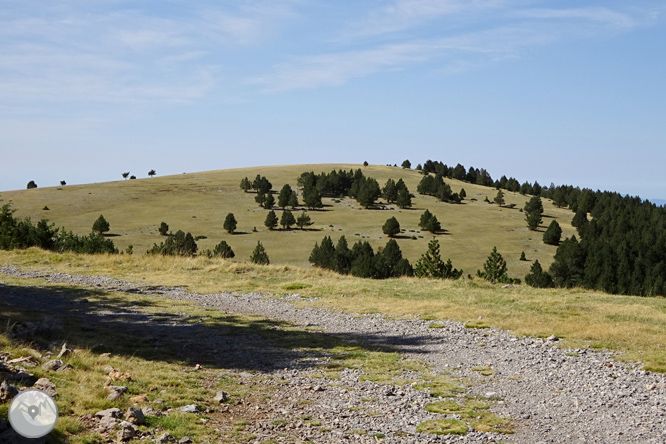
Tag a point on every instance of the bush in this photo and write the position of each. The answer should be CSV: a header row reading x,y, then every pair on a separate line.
x,y
179,244
223,250
164,229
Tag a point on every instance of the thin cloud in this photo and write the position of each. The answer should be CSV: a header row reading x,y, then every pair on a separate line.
x,y
602,15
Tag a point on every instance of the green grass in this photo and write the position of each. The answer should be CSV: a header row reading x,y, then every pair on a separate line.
x,y
199,202
443,427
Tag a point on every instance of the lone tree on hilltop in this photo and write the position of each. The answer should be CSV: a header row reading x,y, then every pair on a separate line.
x,y
151,173
432,265
63,183
391,227
126,175
259,255
271,220
553,234
230,223
164,229
494,270
101,225
132,177
32,184
499,199
303,220
287,219
365,164
406,164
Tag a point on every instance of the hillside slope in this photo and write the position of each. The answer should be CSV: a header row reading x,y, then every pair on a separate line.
x,y
199,202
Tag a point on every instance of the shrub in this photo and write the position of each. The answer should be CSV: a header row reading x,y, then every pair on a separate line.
x,y
179,244
223,250
164,229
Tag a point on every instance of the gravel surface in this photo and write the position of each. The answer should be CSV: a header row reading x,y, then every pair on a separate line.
x,y
553,395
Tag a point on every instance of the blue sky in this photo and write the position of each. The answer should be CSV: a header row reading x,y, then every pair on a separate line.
x,y
571,92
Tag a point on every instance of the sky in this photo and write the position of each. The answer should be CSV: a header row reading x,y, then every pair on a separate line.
x,y
568,92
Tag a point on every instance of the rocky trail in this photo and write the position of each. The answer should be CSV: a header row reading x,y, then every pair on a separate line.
x,y
551,394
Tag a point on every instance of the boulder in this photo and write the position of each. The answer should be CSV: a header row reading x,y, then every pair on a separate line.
x,y
53,365
47,386
134,416
7,392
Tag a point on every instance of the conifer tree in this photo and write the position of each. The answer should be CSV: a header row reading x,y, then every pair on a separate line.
x,y
287,219
462,194
533,211
494,270
271,220
101,225
245,184
404,199
284,196
269,202
391,227
223,250
322,255
406,164
303,220
312,197
429,222
537,277
230,223
392,262
579,219
259,255
368,192
260,198
523,257
432,265
293,200
553,234
164,229
499,199
390,192
342,259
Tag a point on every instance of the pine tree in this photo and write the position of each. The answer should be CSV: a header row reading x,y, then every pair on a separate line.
x,y
553,234
284,196
101,225
406,164
533,211
391,227
390,192
293,200
164,229
126,175
322,255
303,220
537,277
259,255
287,219
462,194
151,173
342,259
368,192
393,263
432,265
494,270
223,250
260,198
312,197
230,223
32,185
523,257
269,202
429,222
245,184
579,219
271,220
499,199
404,199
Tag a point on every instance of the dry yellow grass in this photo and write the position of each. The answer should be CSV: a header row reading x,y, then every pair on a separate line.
x,y
632,325
199,202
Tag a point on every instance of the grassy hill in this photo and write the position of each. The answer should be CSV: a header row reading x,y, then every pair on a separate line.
x,y
199,202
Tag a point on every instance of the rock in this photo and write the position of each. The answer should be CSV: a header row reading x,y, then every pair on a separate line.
x,y
108,423
28,361
64,351
65,368
165,438
113,413
114,395
50,327
149,411
185,440
7,392
191,408
53,365
120,376
116,388
134,416
108,369
318,388
138,399
127,431
47,386
221,397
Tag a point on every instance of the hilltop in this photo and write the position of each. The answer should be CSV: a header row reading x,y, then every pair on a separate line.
x,y
199,202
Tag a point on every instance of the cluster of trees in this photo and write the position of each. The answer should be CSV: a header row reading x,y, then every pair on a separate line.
x,y
366,190
361,260
435,186
429,222
178,244
22,233
287,220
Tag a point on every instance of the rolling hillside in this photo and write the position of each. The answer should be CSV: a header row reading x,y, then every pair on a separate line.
x,y
199,202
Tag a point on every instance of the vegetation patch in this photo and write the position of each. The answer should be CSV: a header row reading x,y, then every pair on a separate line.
x,y
477,324
443,427
484,370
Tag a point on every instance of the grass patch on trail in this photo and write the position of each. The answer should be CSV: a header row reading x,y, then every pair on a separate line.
x,y
443,427
634,326
475,413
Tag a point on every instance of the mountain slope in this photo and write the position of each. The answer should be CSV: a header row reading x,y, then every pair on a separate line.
x,y
199,202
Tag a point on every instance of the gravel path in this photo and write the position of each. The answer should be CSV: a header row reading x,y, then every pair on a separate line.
x,y
554,395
